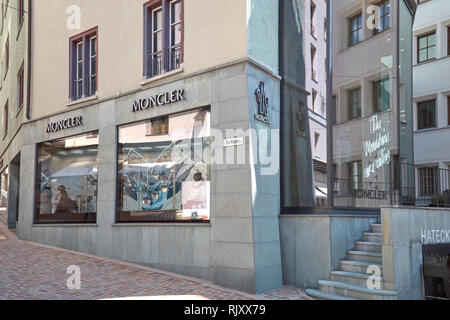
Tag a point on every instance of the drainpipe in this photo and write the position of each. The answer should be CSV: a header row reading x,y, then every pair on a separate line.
x,y
28,107
330,110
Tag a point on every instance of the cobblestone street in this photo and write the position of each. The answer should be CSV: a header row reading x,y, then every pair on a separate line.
x,y
38,272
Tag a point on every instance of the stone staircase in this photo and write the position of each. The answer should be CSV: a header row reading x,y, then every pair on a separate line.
x,y
350,281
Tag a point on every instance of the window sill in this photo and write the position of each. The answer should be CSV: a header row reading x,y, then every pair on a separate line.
x,y
65,225
160,224
82,100
161,76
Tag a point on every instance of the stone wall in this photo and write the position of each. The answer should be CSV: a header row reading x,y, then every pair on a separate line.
x,y
403,228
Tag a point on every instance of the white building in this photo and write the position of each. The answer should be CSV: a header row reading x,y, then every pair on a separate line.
x,y
315,52
431,57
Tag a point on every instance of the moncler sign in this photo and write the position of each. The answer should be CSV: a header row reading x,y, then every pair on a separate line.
x,y
65,124
158,100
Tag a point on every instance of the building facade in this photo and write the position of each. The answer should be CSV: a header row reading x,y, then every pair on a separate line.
x,y
14,100
154,133
432,99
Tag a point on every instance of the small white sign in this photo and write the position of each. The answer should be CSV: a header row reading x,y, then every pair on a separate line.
x,y
233,142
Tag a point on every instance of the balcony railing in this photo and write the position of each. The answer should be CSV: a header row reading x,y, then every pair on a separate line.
x,y
403,185
160,63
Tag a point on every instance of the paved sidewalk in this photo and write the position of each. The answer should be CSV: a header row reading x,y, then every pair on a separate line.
x,y
35,271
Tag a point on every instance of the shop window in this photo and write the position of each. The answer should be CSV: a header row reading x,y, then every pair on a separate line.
x,y
426,47
354,103
381,95
163,41
67,180
83,65
165,178
426,114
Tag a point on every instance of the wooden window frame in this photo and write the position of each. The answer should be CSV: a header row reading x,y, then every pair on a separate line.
x,y
350,104
376,108
427,126
83,39
21,86
427,35
448,110
166,7
357,30
383,16
5,119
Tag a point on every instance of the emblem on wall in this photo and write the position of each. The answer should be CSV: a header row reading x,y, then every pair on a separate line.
x,y
263,104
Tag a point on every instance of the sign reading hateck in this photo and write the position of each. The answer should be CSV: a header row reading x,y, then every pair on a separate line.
x,y
158,100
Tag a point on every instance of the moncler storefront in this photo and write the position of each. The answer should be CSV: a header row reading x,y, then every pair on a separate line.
x,y
164,176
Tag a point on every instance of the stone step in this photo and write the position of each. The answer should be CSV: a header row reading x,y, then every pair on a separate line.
x,y
357,279
372,237
357,266
356,292
325,296
368,246
376,228
365,256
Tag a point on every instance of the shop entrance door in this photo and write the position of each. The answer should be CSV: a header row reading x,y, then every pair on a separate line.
x,y
13,193
4,183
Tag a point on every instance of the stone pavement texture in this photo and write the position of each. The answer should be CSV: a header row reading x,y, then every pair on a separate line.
x,y
30,271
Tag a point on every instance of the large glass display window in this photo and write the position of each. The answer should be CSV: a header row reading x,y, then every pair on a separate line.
x,y
67,180
164,169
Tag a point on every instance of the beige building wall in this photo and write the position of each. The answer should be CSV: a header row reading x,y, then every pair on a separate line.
x,y
16,32
214,35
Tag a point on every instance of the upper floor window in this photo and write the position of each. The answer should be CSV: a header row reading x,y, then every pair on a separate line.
x,y
448,110
5,118
426,114
426,47
83,65
163,37
21,11
313,25
385,14
20,85
356,29
354,103
427,181
381,95
448,40
6,56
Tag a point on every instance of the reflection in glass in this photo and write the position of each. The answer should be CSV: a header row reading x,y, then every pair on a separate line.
x,y
67,182
165,176
4,183
372,84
